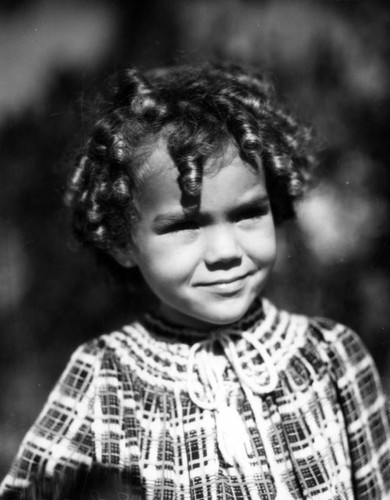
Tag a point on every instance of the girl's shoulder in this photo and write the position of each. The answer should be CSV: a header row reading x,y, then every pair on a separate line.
x,y
132,349
341,341
343,350
99,351
112,341
337,344
328,332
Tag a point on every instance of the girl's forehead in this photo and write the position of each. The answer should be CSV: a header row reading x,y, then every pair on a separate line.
x,y
160,160
226,178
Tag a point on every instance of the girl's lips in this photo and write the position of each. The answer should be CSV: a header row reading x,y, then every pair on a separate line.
x,y
225,281
227,287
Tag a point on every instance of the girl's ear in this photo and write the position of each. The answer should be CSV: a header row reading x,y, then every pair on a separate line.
x,y
124,257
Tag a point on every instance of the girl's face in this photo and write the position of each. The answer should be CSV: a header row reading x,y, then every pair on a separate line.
x,y
206,269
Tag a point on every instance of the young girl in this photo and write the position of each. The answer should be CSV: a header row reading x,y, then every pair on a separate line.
x,y
214,393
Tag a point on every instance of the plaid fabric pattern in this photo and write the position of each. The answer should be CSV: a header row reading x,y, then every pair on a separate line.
x,y
121,419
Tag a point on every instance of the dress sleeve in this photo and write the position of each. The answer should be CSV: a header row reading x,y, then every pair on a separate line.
x,y
365,412
59,446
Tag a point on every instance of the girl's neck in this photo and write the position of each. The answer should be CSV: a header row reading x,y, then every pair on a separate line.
x,y
175,328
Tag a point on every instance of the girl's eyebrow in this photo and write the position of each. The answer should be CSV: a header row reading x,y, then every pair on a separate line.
x,y
247,202
253,201
169,217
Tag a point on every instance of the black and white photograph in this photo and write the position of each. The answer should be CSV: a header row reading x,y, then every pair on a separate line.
x,y
195,250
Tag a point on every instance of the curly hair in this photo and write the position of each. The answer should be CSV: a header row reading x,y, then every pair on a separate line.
x,y
197,110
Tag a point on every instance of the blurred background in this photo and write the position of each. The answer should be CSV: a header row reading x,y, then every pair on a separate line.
x,y
330,64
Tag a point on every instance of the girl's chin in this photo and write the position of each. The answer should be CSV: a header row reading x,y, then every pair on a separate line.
x,y
208,317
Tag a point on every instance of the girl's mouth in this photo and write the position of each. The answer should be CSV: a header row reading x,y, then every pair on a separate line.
x,y
227,287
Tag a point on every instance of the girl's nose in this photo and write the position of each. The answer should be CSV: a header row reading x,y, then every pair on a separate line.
x,y
222,246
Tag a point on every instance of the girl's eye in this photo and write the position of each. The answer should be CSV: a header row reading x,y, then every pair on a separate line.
x,y
252,213
185,225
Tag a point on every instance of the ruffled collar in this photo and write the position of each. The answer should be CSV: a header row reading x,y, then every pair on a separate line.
x,y
161,350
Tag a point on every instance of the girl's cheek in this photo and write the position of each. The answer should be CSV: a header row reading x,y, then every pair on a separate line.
x,y
262,250
172,258
181,243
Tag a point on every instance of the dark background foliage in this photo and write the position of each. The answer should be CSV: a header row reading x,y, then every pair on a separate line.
x,y
330,63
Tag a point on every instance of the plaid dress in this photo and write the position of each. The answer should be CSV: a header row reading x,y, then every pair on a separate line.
x,y
277,406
